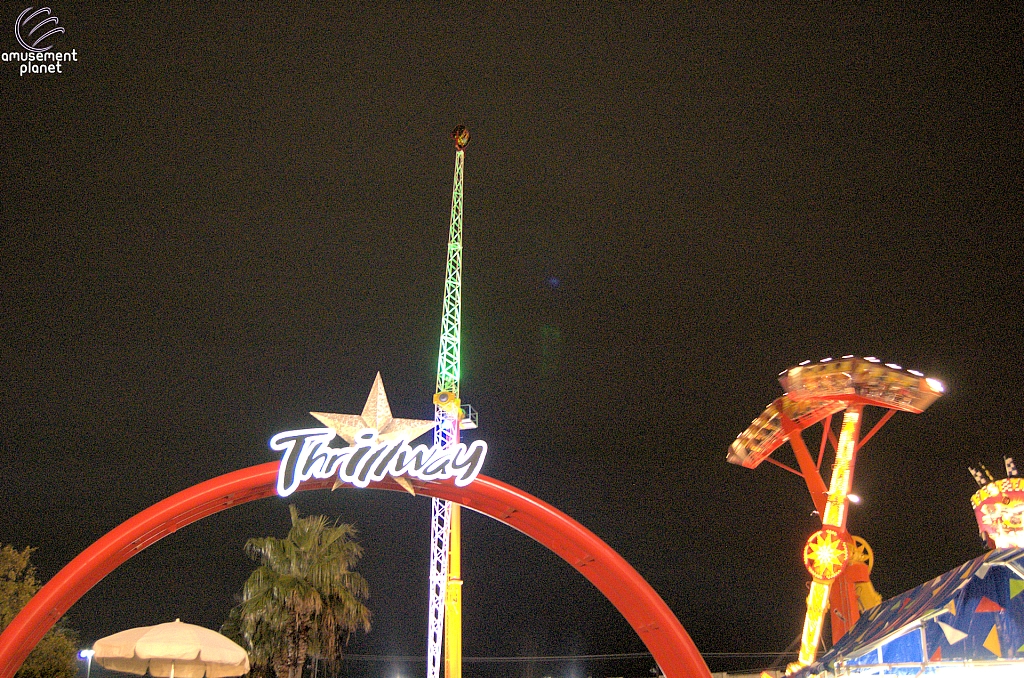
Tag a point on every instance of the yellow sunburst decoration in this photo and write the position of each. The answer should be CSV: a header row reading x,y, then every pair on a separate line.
x,y
826,554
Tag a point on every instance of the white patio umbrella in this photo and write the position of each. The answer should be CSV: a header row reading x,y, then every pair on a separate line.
x,y
172,650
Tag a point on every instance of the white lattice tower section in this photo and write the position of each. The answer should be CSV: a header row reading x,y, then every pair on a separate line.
x,y
439,535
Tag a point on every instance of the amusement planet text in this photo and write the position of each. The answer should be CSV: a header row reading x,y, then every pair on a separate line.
x,y
307,454
35,62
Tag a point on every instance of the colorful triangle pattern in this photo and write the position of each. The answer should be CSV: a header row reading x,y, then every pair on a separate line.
x,y
953,636
988,605
937,655
1016,586
992,642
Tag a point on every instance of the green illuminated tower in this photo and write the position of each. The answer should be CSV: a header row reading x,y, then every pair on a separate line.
x,y
445,611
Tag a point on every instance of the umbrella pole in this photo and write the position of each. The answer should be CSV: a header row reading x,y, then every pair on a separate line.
x,y
172,669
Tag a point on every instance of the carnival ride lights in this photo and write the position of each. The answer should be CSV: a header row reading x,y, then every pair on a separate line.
x,y
839,563
445,613
999,507
827,552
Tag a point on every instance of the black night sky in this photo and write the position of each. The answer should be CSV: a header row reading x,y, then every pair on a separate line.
x,y
221,218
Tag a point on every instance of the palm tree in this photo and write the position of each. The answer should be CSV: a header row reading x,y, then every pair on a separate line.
x,y
255,643
304,598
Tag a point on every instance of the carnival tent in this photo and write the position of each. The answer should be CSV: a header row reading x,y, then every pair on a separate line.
x,y
970,617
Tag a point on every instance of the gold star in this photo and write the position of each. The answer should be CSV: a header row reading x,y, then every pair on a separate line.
x,y
376,415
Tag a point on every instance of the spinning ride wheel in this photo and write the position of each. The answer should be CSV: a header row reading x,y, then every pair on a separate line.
x,y
839,563
862,553
826,554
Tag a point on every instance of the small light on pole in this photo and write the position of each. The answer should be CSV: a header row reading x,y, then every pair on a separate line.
x,y
854,498
87,656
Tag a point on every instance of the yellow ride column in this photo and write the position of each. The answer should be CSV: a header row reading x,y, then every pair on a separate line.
x,y
453,599
829,549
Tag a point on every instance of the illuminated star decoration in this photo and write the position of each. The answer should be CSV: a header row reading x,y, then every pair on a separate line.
x,y
826,554
376,415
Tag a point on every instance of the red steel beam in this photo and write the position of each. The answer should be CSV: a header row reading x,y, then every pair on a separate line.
x,y
815,485
642,607
881,422
824,439
843,608
783,466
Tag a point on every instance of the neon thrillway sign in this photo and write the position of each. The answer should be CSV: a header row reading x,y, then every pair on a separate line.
x,y
378,446
307,454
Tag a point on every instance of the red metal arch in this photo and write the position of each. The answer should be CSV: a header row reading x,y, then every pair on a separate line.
x,y
642,607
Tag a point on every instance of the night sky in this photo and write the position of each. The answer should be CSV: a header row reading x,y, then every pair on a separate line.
x,y
219,219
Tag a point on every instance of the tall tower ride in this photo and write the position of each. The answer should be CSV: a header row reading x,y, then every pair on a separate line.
x,y
445,614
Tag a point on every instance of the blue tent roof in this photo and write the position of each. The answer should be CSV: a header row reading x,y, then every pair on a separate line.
x,y
974,612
